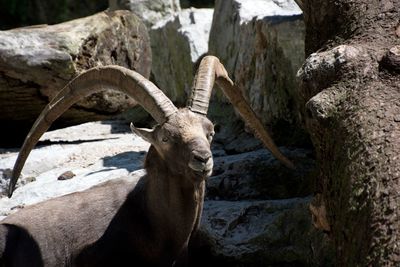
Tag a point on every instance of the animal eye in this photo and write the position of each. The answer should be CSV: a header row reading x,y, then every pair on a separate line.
x,y
210,135
165,136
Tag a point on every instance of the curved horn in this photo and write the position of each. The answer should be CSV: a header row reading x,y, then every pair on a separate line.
x,y
152,99
203,83
211,70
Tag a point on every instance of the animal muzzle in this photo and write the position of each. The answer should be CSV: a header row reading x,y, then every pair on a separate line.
x,y
201,162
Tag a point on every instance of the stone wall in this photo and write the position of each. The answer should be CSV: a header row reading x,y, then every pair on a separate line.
x,y
177,43
178,38
261,43
150,11
37,62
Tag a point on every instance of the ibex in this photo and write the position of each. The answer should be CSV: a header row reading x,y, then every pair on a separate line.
x,y
117,223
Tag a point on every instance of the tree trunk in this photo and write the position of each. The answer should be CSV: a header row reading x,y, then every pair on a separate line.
x,y
350,88
36,62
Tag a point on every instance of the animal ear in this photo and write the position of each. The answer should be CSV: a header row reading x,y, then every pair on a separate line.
x,y
146,134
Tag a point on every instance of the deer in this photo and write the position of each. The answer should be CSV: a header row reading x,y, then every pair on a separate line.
x,y
118,223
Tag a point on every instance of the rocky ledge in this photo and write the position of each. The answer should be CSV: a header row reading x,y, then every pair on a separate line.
x,y
255,210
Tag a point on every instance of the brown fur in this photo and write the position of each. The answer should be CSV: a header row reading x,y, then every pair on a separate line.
x,y
117,223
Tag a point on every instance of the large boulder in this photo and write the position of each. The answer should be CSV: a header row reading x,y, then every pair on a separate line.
x,y
258,175
178,38
262,233
177,43
37,62
150,11
257,212
261,43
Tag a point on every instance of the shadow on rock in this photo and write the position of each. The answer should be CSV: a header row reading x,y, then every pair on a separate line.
x,y
131,161
258,175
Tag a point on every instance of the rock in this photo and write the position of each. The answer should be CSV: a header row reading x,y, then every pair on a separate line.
x,y
150,11
5,175
178,39
261,43
66,176
36,62
391,60
258,175
96,152
177,43
266,232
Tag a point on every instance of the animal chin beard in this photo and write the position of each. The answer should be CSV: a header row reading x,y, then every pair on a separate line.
x,y
203,174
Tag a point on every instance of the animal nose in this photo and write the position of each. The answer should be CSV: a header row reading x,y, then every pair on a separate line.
x,y
201,156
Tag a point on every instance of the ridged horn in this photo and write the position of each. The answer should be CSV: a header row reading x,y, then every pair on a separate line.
x,y
203,83
211,70
117,78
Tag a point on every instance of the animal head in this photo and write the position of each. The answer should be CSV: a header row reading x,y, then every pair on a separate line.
x,y
186,138
182,137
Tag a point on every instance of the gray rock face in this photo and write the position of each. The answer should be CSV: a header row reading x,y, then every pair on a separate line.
x,y
150,11
261,43
37,62
258,175
178,38
269,232
94,152
177,43
256,212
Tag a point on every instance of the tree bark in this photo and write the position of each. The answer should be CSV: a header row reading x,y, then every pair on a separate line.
x,y
350,87
36,62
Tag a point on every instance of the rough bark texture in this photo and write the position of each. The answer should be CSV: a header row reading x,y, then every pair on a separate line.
x,y
351,91
36,63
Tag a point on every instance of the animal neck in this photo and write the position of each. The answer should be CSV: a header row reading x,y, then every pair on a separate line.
x,y
174,201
